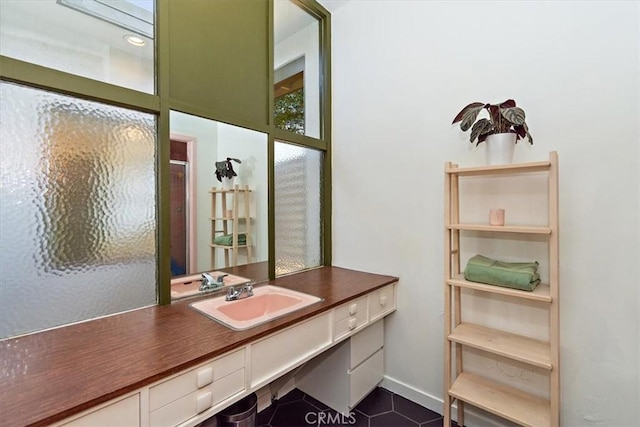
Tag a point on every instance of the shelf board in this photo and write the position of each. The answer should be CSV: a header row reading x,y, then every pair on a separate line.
x,y
227,247
501,169
504,401
227,218
501,228
512,346
540,293
230,190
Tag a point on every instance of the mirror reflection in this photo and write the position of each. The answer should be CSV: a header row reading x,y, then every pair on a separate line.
x,y
297,69
218,221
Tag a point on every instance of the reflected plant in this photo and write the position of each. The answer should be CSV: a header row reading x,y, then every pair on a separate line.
x,y
224,169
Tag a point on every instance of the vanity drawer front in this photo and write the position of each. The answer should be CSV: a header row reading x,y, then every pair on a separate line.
x,y
125,412
194,379
345,326
199,401
382,302
279,353
350,309
365,377
366,342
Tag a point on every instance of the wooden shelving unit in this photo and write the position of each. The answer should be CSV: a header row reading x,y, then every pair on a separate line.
x,y
463,387
226,218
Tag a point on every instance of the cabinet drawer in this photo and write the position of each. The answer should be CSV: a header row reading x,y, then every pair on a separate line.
x,y
346,326
350,309
366,342
199,401
365,377
382,302
194,379
125,413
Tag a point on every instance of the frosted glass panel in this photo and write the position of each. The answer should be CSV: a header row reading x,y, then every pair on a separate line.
x,y
298,228
88,38
77,210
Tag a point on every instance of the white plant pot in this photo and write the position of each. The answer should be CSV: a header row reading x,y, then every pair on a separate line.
x,y
227,183
500,148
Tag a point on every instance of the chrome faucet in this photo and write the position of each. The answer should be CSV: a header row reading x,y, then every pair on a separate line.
x,y
244,292
209,283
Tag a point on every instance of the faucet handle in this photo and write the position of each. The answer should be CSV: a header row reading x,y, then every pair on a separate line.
x,y
206,277
220,278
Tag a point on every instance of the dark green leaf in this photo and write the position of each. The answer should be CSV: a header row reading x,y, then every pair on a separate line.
x,y
470,117
515,115
464,111
482,127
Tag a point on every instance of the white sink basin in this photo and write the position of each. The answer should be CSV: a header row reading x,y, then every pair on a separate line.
x,y
267,303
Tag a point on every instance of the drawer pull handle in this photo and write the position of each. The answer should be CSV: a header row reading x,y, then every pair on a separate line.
x,y
352,324
205,377
383,300
353,309
204,402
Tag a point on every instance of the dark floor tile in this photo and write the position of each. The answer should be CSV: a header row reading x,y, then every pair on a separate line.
x,y
264,416
292,396
316,403
333,418
380,408
391,419
412,410
377,402
295,414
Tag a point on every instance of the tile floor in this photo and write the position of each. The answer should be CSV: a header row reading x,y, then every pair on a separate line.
x,y
381,408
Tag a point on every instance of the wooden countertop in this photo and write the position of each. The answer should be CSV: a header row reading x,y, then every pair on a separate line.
x,y
50,375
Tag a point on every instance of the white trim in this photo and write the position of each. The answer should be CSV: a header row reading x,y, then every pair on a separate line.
x,y
192,201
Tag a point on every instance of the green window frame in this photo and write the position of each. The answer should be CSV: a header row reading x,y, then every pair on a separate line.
x,y
259,116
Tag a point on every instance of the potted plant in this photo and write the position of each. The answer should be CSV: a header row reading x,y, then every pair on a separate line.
x,y
501,130
225,172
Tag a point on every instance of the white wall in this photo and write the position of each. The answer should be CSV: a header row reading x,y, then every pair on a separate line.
x,y
401,71
250,147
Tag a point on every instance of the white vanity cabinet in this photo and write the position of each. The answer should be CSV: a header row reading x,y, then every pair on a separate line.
x,y
186,395
382,302
343,375
279,353
124,412
342,348
350,317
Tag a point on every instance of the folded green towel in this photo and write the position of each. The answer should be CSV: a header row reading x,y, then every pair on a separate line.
x,y
516,275
227,239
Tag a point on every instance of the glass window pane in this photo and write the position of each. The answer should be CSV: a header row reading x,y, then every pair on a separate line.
x,y
297,69
298,208
107,40
77,209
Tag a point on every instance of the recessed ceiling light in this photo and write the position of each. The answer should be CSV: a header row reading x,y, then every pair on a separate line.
x,y
134,40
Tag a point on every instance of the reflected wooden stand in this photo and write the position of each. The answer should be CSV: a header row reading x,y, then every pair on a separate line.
x,y
226,220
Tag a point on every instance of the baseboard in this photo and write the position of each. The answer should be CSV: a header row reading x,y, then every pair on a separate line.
x,y
473,418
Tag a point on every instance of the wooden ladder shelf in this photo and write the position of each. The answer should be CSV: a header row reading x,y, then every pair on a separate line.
x,y
226,219
466,388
